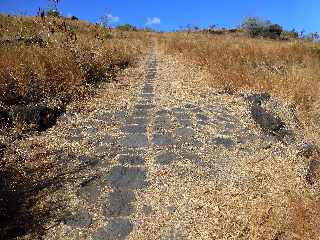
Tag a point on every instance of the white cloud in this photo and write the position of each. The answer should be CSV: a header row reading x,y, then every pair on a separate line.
x,y
154,20
112,19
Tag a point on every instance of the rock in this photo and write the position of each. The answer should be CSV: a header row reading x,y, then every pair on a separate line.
x,y
79,219
131,159
5,119
313,174
147,210
184,132
134,141
165,158
163,139
117,229
258,98
2,149
226,142
119,203
127,177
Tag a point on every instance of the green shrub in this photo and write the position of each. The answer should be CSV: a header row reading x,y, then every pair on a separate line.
x,y
53,13
257,27
126,27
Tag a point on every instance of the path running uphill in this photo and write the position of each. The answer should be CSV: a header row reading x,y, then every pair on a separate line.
x,y
168,159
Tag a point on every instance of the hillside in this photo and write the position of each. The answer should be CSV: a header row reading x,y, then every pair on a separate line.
x,y
130,134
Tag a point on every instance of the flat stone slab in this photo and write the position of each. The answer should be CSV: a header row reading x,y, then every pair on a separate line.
x,y
135,128
166,157
89,190
120,116
147,210
185,122
89,160
184,132
202,117
163,112
190,156
163,139
144,106
80,218
119,203
127,177
117,229
134,141
140,113
131,160
190,141
138,121
104,116
182,116
226,142
147,90
177,110
104,140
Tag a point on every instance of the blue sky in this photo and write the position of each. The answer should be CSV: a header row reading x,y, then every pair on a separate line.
x,y
169,14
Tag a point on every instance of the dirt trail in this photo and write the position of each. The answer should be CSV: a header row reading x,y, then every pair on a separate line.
x,y
174,160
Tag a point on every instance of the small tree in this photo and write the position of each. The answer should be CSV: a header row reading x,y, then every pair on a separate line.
x,y
314,36
53,10
272,31
254,26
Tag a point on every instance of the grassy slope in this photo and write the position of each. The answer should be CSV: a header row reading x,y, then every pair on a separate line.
x,y
287,69
56,58
51,61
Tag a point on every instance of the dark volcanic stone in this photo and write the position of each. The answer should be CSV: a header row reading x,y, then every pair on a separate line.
x,y
184,132
120,116
147,210
190,156
119,203
144,107
105,116
226,142
105,140
79,219
125,177
135,128
162,112
140,114
182,116
185,122
202,117
134,141
89,160
131,159
266,120
163,139
89,190
91,131
166,157
142,121
117,229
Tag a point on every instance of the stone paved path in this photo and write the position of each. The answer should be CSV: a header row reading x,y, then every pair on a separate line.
x,y
172,165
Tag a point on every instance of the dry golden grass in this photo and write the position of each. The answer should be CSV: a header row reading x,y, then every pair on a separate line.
x,y
56,58
287,69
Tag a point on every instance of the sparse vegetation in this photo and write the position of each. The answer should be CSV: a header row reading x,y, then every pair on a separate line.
x,y
287,69
56,58
126,27
45,63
